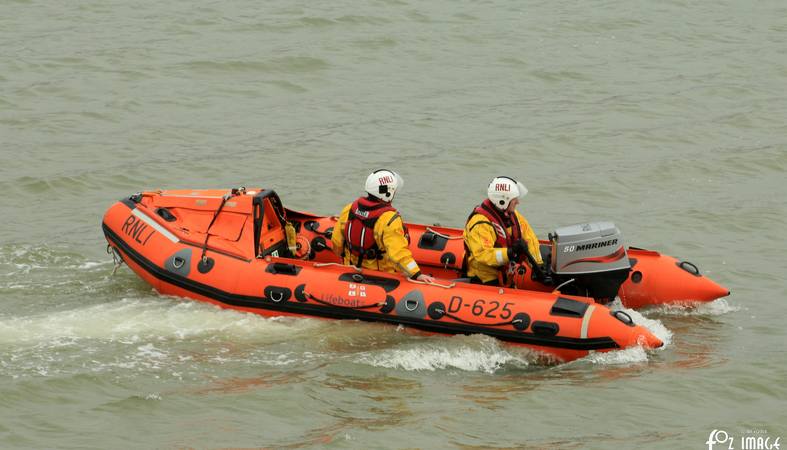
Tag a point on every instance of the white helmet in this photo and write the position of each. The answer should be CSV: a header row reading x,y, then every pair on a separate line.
x,y
504,189
383,184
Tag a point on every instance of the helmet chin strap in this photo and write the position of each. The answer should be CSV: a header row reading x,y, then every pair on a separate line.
x,y
383,189
505,210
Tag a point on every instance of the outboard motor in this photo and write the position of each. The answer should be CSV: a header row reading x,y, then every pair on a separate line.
x,y
593,255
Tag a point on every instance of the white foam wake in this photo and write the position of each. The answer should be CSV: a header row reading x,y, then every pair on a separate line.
x,y
717,307
134,320
636,354
655,326
618,357
27,259
473,354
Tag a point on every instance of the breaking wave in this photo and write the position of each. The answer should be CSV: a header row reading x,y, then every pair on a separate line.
x,y
27,259
718,307
135,319
473,354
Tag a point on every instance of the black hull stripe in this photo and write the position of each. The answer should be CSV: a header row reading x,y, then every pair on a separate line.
x,y
230,299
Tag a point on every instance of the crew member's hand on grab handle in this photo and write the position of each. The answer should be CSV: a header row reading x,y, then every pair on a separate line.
x,y
425,278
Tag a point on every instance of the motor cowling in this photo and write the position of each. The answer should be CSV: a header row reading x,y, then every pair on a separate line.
x,y
593,255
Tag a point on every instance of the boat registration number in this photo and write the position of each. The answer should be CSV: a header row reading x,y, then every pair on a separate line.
x,y
481,307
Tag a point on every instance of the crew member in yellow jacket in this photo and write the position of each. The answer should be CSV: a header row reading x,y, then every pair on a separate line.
x,y
496,234
370,233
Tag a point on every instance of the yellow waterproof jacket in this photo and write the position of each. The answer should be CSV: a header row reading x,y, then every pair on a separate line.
x,y
390,237
484,260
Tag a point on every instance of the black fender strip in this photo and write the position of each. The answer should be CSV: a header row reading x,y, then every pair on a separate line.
x,y
128,202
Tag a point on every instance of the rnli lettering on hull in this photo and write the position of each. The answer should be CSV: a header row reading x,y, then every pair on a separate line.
x,y
141,228
136,229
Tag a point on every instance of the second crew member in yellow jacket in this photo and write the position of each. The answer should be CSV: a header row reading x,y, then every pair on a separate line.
x,y
371,234
496,234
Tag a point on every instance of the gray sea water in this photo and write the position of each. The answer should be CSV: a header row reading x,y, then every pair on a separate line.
x,y
668,118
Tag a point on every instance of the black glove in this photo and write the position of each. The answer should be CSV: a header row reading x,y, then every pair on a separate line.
x,y
517,250
544,274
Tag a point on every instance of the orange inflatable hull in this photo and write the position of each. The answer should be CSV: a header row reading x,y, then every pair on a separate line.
x,y
655,279
178,243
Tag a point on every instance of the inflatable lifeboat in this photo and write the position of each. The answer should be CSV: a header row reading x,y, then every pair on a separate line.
x,y
243,250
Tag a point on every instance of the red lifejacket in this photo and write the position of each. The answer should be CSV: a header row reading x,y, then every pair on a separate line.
x,y
359,229
499,221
